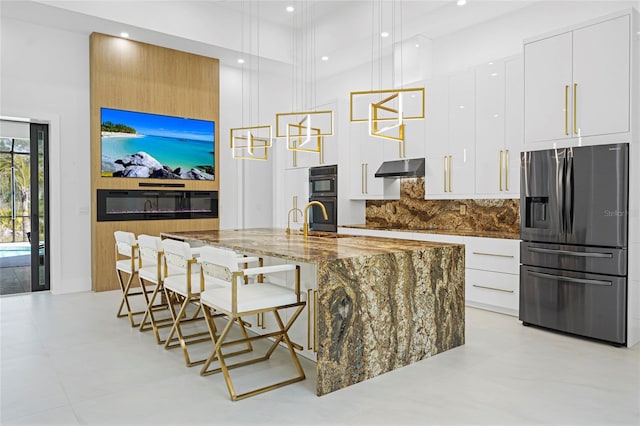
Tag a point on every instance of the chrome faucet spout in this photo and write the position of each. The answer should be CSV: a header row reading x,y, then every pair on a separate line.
x,y
305,226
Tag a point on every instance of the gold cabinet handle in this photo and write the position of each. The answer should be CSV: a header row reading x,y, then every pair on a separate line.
x,y
444,179
500,169
366,178
450,158
309,347
575,115
481,253
315,320
506,170
295,206
566,110
295,155
321,154
492,288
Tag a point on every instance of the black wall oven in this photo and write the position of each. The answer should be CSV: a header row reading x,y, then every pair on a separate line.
x,y
323,187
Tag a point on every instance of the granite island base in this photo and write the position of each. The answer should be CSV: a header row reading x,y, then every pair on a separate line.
x,y
382,303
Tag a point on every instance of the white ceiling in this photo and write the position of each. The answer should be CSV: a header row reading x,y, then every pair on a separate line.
x,y
346,31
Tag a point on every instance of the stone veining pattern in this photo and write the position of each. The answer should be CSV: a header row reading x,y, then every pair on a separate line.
x,y
379,313
412,211
382,303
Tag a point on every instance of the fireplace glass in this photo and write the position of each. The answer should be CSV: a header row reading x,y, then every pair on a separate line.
x,y
122,205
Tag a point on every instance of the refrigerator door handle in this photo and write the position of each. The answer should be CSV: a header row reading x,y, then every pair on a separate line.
x,y
571,253
570,279
560,188
569,191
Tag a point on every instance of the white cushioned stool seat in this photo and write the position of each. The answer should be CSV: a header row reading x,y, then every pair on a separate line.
x,y
250,297
178,284
124,265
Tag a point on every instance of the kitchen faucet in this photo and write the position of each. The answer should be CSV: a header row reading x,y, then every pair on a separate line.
x,y
294,209
305,227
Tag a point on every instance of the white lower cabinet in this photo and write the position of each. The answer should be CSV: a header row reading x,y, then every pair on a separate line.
x,y
492,277
490,290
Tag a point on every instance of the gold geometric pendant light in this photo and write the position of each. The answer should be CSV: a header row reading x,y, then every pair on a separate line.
x,y
250,143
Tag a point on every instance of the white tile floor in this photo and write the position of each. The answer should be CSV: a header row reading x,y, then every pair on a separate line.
x,y
67,360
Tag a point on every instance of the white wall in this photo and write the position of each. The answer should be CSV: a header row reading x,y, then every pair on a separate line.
x,y
247,188
44,74
503,36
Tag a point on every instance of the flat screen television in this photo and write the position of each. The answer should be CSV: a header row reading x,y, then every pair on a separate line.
x,y
142,145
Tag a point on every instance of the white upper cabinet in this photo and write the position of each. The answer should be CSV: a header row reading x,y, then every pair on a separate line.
x,y
436,135
450,136
547,70
366,154
577,83
498,127
601,77
461,173
490,119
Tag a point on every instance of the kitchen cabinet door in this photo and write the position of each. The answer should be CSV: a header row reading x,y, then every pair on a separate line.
x,y
513,126
436,140
461,150
296,194
366,154
601,78
490,128
548,76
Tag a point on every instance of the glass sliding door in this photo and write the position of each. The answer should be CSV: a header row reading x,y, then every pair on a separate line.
x,y
24,264
39,207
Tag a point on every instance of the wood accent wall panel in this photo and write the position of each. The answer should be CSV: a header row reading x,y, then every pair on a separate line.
x,y
134,76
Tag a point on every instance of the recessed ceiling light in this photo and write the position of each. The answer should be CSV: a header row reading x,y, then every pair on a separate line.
x,y
325,58
417,44
124,35
461,106
493,74
384,34
461,2
290,9
241,61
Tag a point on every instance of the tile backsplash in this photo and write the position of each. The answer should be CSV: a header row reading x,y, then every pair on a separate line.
x,y
412,211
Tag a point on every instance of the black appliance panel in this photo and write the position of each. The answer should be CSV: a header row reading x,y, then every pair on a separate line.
x,y
323,186
541,195
596,200
316,219
599,260
579,303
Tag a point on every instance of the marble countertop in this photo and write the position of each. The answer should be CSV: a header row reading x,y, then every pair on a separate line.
x,y
459,232
319,247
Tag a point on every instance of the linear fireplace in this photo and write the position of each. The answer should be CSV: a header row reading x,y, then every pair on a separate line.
x,y
123,205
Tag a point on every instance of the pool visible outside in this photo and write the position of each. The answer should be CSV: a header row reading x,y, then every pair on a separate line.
x,y
14,249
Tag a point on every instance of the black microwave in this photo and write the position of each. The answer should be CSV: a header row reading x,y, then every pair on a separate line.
x,y
323,181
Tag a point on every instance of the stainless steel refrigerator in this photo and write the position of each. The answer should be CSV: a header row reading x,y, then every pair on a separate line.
x,y
574,230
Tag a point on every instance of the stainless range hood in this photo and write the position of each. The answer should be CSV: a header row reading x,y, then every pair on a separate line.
x,y
411,167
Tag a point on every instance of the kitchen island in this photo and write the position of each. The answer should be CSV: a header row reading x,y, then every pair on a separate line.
x,y
381,303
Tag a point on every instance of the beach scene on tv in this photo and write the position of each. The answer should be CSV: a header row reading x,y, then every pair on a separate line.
x,y
142,145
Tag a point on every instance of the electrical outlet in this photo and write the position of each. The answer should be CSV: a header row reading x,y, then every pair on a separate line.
x,y
463,209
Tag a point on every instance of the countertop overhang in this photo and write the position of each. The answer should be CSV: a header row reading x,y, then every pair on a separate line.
x,y
275,242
